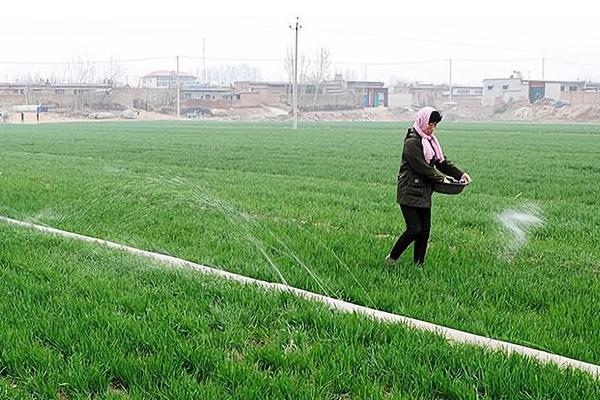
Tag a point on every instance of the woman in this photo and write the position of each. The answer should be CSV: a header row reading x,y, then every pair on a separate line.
x,y
423,163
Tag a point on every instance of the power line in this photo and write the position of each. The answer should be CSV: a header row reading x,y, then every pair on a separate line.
x,y
235,59
393,63
380,63
461,44
574,63
84,61
428,40
480,60
203,59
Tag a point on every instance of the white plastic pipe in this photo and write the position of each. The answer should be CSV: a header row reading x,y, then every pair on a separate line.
x,y
452,335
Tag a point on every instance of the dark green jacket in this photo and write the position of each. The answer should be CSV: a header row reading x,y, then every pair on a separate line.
x,y
416,177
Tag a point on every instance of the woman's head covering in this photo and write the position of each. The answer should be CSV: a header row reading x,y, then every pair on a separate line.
x,y
431,147
425,116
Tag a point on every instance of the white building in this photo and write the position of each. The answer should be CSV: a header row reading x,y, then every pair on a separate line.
x,y
515,88
467,91
167,79
504,89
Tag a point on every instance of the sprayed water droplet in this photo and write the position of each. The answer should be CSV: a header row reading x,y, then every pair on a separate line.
x,y
518,223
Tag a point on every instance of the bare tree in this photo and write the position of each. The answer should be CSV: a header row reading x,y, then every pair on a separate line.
x,y
81,70
112,73
320,70
288,66
226,74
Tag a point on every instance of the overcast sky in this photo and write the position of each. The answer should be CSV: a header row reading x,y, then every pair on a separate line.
x,y
355,32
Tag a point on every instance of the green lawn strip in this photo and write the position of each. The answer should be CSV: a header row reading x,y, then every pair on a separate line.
x,y
335,212
79,321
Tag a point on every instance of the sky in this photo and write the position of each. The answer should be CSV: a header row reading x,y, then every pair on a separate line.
x,y
377,40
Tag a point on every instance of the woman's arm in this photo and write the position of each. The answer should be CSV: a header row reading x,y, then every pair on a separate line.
x,y
448,168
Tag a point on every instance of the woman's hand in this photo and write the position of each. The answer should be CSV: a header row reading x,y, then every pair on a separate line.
x,y
465,178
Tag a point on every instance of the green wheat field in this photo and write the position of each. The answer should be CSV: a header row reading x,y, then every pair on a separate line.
x,y
313,208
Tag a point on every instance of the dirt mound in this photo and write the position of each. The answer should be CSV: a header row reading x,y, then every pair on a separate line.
x,y
552,111
368,114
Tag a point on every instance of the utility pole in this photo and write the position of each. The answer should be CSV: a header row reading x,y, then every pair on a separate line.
x,y
450,81
178,91
543,68
204,60
297,27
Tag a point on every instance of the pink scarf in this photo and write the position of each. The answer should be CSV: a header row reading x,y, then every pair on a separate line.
x,y
431,146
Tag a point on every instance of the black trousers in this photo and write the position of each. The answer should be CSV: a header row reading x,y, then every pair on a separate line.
x,y
418,225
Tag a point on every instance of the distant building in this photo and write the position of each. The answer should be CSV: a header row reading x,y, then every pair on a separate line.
x,y
429,94
373,94
467,96
54,89
400,95
167,79
435,95
253,93
516,89
208,93
332,94
467,91
504,89
76,95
